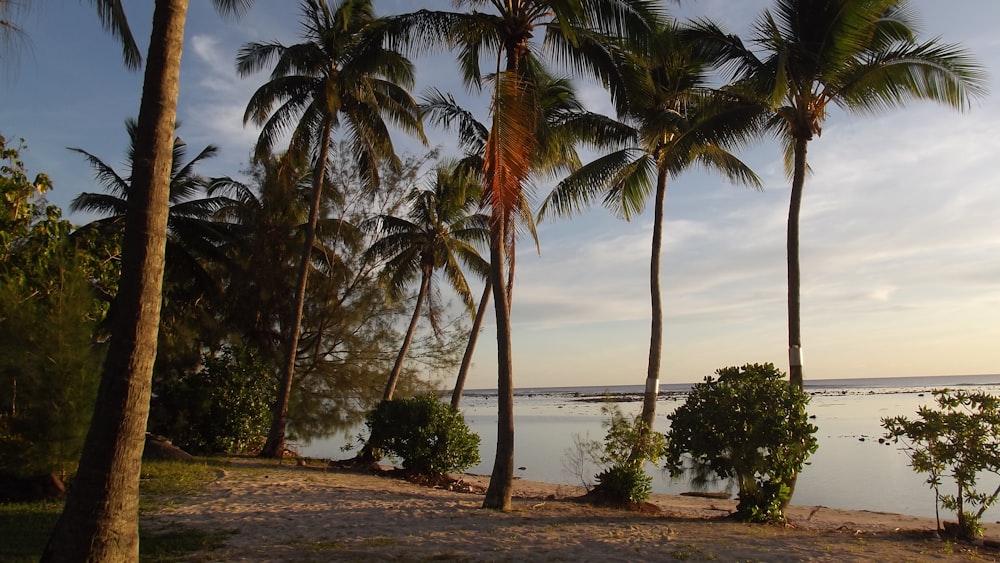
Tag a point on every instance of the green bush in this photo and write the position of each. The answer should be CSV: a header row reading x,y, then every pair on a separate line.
x,y
430,437
961,440
628,444
624,484
748,426
49,365
224,408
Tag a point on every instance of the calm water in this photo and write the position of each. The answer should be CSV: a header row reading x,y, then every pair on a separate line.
x,y
850,470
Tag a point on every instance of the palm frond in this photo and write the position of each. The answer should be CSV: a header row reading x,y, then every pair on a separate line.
x,y
510,145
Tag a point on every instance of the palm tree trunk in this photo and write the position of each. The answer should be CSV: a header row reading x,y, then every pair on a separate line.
x,y
100,519
652,392
794,324
477,325
274,447
501,487
390,386
794,328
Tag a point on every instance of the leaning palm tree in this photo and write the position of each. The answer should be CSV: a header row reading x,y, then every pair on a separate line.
x,y
439,231
860,55
575,34
341,77
100,521
676,122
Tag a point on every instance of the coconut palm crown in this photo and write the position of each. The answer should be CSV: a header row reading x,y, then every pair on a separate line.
x,y
862,56
440,230
674,122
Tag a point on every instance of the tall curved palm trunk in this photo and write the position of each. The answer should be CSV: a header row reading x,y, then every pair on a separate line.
x,y
501,488
794,280
274,446
397,368
100,519
652,391
506,165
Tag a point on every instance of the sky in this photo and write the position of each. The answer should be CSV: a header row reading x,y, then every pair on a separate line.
x,y
900,225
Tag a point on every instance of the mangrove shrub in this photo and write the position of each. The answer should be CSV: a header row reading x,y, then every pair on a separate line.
x,y
430,437
747,426
961,440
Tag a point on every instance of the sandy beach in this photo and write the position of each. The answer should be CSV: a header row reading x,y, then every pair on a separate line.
x,y
289,513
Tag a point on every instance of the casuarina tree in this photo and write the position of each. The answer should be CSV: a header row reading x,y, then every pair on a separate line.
x,y
341,77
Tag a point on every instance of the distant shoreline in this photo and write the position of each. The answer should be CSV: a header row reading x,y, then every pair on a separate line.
x,y
847,386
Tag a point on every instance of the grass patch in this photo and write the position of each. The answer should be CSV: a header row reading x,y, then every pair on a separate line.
x,y
161,479
379,542
688,552
25,529
172,544
327,545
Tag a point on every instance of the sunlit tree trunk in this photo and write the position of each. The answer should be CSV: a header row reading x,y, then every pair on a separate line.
x,y
397,368
652,391
274,446
498,495
794,324
794,327
100,520
470,348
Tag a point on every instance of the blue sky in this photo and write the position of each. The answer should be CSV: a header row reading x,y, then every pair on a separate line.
x,y
900,235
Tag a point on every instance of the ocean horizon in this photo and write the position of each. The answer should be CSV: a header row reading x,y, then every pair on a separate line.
x,y
877,384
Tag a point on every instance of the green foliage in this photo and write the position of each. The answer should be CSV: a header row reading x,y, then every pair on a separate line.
x,y
961,440
223,408
49,369
164,480
748,426
350,331
628,444
25,528
429,436
624,484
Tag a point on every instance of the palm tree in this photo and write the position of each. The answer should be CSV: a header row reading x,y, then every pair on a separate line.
x,y
860,55
191,247
189,218
439,231
340,76
100,519
677,122
575,34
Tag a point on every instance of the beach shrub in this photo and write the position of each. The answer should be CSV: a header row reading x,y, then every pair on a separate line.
x,y
628,444
223,408
747,426
960,440
430,437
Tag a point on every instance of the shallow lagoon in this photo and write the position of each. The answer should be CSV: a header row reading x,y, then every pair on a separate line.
x,y
851,469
